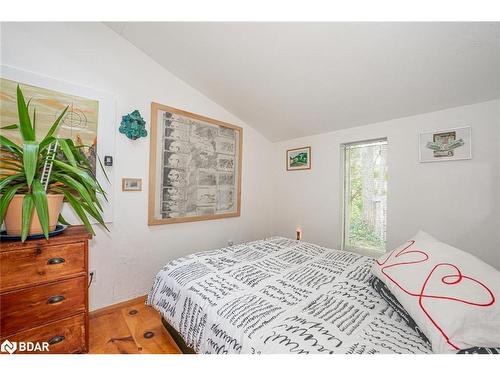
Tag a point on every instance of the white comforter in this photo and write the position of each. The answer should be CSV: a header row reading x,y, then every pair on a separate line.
x,y
279,296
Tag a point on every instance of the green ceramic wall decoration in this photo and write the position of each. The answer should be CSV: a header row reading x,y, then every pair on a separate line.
x,y
133,125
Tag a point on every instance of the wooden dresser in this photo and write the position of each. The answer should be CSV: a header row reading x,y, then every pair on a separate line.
x,y
43,291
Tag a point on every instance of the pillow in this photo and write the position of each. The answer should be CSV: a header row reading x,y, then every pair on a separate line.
x,y
450,294
477,350
393,302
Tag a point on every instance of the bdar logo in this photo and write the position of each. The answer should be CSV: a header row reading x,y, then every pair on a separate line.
x,y
9,347
24,346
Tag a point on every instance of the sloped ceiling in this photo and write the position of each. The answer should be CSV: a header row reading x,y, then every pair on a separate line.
x,y
289,80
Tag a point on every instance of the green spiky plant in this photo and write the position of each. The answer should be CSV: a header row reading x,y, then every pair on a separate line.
x,y
21,168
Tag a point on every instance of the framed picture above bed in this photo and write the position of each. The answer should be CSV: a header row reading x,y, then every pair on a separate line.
x,y
298,159
445,145
194,167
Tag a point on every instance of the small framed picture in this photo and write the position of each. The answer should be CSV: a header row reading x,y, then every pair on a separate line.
x,y
445,145
298,159
131,184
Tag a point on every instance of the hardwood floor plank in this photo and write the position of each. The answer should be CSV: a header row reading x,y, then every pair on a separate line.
x,y
148,332
129,327
109,334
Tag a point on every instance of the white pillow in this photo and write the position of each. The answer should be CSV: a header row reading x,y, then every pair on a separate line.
x,y
451,295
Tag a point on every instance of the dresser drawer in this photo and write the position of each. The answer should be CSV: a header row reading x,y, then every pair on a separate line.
x,y
31,307
20,268
64,336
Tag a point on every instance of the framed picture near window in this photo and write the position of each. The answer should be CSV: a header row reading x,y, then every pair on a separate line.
x,y
298,159
445,145
194,168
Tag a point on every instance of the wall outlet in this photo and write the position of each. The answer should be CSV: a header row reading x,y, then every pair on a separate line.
x,y
230,243
92,276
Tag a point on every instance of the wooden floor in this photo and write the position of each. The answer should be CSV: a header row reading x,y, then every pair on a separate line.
x,y
129,328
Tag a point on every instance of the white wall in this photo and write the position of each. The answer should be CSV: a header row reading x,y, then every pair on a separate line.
x,y
457,201
464,193
90,54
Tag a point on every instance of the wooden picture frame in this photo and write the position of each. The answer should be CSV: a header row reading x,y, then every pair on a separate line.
x,y
127,184
195,165
300,150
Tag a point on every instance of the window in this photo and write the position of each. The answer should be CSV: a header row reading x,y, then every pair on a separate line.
x,y
365,196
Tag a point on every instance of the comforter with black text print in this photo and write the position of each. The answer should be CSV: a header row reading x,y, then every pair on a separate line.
x,y
279,296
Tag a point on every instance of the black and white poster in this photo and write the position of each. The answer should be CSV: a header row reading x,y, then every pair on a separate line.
x,y
198,165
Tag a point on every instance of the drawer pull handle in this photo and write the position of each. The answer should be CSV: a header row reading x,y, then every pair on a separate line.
x,y
55,299
55,261
56,339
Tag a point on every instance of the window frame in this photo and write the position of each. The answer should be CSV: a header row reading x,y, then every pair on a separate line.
x,y
343,200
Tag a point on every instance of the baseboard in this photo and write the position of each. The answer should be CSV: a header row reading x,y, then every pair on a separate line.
x,y
107,309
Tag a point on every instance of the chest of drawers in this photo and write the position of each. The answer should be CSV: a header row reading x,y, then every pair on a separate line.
x,y
43,291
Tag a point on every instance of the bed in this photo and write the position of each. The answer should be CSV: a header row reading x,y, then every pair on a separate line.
x,y
279,296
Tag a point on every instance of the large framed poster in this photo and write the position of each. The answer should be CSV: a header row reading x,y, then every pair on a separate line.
x,y
194,167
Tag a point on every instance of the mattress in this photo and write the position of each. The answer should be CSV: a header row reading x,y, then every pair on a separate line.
x,y
279,296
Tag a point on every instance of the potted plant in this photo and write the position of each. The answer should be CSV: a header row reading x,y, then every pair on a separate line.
x,y
36,176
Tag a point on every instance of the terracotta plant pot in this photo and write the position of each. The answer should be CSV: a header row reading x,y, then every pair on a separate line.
x,y
14,215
